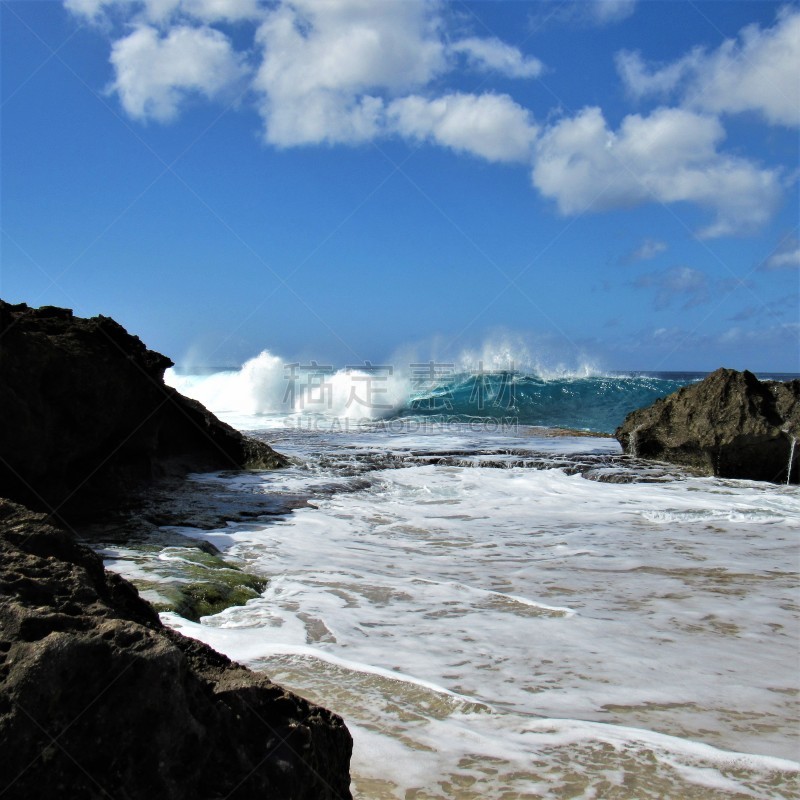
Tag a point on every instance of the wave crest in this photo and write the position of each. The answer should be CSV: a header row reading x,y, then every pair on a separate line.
x,y
486,384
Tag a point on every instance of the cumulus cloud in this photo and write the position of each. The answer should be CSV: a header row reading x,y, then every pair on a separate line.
x,y
327,64
230,10
647,250
491,126
161,11
155,74
495,55
641,80
351,71
667,157
785,256
683,285
607,11
330,71
755,72
345,71
594,13
85,8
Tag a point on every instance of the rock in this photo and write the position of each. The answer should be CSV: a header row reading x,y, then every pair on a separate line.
x,y
98,699
196,578
85,414
787,403
730,424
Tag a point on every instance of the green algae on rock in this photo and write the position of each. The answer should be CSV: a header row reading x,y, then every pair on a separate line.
x,y
169,716
191,580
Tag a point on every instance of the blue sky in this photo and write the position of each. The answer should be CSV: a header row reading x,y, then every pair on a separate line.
x,y
610,181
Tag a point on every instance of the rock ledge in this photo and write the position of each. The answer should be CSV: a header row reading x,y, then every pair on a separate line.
x,y
86,414
98,699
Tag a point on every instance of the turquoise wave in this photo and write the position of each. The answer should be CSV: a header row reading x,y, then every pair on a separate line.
x,y
598,403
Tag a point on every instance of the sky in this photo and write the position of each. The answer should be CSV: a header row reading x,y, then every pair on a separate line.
x,y
612,183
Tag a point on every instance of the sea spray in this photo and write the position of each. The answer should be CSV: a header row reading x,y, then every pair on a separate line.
x,y
270,385
267,390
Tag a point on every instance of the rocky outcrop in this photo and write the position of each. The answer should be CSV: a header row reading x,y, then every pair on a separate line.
x,y
730,424
98,699
85,413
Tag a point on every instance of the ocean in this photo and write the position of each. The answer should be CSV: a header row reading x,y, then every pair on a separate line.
x,y
498,602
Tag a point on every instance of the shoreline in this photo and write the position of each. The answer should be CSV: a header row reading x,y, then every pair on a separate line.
x,y
88,422
319,567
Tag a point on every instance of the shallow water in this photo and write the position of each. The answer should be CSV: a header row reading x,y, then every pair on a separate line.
x,y
525,629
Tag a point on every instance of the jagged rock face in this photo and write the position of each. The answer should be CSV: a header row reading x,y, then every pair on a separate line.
x,y
98,699
84,412
730,424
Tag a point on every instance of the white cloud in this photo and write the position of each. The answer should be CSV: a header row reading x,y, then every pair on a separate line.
x,y
785,256
757,72
667,157
491,126
213,10
326,63
321,116
493,54
339,71
594,13
154,74
788,260
85,8
681,284
734,342
641,81
151,10
607,11
162,11
332,71
785,332
647,250
350,71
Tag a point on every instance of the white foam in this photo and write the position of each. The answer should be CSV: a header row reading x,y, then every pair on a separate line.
x,y
608,627
570,731
132,570
525,601
544,756
249,650
270,385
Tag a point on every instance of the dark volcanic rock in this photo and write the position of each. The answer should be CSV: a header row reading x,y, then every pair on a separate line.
x,y
85,413
730,424
98,699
